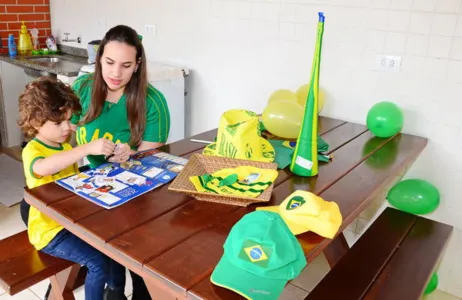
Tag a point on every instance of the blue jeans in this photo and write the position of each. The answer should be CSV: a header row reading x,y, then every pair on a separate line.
x,y
101,269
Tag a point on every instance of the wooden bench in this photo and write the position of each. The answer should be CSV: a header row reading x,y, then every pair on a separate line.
x,y
394,259
22,266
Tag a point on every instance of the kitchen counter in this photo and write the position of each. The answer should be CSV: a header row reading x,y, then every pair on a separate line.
x,y
65,64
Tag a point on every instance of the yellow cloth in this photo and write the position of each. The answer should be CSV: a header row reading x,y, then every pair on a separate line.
x,y
42,229
304,211
245,181
239,136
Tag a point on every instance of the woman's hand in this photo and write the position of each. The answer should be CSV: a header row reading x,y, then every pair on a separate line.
x,y
121,153
99,147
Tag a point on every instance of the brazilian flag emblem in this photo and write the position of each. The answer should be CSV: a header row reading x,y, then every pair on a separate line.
x,y
255,253
295,202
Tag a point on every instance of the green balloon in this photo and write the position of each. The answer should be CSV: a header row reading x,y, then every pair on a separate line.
x,y
385,119
432,284
415,196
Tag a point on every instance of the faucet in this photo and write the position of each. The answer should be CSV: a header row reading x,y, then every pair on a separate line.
x,y
78,40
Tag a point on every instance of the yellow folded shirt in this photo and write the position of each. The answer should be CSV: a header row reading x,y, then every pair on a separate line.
x,y
245,181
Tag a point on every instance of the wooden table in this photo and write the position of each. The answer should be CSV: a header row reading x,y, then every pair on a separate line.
x,y
175,241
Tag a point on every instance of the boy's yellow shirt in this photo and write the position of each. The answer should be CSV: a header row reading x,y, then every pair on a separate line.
x,y
42,229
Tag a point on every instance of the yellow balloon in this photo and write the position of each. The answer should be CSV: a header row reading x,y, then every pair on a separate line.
x,y
302,94
283,94
283,118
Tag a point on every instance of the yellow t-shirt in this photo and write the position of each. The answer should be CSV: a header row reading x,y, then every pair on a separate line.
x,y
42,229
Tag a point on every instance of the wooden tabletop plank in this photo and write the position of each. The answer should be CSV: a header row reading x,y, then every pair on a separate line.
x,y
370,178
336,138
50,193
417,257
352,190
185,146
122,219
187,268
75,208
328,173
161,234
345,159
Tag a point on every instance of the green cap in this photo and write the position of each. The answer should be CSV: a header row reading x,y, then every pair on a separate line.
x,y
260,255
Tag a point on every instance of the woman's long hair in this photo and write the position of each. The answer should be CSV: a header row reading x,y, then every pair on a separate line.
x,y
135,90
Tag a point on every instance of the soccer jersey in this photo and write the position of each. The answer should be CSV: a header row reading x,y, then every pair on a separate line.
x,y
41,229
113,122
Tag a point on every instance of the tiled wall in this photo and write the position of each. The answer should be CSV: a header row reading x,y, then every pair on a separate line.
x,y
242,50
34,13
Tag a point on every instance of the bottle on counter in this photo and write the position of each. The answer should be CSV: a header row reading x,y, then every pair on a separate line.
x,y
12,49
25,44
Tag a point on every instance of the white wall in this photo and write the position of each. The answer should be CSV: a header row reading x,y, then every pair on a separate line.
x,y
241,50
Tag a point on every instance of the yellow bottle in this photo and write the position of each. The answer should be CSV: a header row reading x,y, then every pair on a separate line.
x,y
25,44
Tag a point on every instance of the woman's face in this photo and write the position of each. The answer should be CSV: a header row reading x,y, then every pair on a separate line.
x,y
118,63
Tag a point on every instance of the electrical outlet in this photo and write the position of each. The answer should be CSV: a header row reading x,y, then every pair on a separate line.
x,y
388,63
150,30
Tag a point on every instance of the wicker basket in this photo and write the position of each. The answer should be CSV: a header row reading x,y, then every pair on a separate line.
x,y
200,164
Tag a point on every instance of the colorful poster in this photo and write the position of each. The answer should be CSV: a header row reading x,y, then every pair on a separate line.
x,y
113,184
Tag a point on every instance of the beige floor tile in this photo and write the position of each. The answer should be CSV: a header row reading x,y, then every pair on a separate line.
x,y
440,295
292,292
312,274
24,295
11,180
79,293
10,221
40,288
350,237
128,285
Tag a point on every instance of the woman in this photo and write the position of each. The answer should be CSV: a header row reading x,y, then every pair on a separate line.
x,y
119,104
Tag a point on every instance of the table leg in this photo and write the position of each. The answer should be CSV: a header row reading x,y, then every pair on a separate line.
x,y
336,249
62,284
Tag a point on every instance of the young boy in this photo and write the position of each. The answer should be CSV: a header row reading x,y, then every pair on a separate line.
x,y
45,108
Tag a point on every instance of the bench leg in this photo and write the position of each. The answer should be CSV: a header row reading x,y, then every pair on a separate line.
x,y
62,284
336,249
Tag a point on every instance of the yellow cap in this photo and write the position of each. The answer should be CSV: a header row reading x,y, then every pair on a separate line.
x,y
304,211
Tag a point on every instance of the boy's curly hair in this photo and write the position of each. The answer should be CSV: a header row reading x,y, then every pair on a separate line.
x,y
45,99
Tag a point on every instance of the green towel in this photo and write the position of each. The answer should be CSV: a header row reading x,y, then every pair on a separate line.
x,y
285,150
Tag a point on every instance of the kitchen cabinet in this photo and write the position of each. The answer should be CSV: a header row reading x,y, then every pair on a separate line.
x,y
12,83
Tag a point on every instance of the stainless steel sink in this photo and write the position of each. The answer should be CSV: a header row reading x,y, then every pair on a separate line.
x,y
45,59
50,65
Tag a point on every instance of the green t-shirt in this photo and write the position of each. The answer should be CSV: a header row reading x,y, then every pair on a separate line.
x,y
113,123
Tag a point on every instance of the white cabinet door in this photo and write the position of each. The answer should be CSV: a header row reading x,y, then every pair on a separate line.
x,y
13,83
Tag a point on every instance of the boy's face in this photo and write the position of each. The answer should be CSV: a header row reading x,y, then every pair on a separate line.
x,y
55,132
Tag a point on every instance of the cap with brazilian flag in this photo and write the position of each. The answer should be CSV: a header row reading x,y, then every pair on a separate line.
x,y
260,255
304,211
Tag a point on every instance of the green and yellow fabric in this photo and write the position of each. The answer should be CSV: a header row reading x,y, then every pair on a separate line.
x,y
239,136
245,181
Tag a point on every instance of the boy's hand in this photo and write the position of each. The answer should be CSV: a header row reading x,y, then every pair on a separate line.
x,y
100,147
121,153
